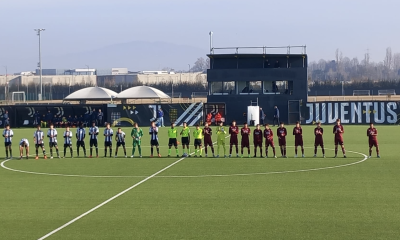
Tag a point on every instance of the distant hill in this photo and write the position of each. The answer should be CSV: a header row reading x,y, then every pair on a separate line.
x,y
137,55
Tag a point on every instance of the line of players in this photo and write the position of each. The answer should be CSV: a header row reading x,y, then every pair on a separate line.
x,y
258,136
199,135
39,139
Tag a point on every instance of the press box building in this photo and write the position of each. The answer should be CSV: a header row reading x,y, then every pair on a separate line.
x,y
242,79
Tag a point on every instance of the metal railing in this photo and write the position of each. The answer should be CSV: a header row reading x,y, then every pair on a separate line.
x,y
175,95
199,94
264,49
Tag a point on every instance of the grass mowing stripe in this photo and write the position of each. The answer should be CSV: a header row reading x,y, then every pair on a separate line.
x,y
112,198
108,200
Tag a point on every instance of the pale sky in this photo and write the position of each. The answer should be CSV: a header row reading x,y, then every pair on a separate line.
x,y
72,26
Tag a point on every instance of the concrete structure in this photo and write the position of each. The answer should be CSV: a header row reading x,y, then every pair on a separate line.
x,y
151,77
174,77
83,71
116,76
56,79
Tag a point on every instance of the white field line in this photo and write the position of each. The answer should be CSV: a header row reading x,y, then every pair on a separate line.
x,y
190,176
268,173
110,199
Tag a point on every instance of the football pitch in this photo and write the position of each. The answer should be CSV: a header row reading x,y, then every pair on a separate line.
x,y
205,198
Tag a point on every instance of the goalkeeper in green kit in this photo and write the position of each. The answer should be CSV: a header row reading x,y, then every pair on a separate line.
x,y
221,138
137,134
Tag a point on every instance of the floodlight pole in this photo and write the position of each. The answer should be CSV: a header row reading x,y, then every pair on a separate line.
x,y
39,30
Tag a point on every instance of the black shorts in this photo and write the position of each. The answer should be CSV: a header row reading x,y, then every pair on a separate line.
x,y
154,143
108,144
119,144
93,142
53,144
197,142
80,143
185,141
39,145
67,145
172,142
6,144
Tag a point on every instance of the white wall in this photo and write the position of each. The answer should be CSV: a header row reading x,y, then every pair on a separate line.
x,y
176,78
58,79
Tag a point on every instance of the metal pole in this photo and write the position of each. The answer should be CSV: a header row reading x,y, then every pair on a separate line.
x,y
40,60
211,43
342,89
172,86
5,85
40,67
189,72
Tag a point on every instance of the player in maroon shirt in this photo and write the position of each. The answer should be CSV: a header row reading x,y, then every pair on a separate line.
x,y
234,131
372,134
281,132
338,130
319,141
258,140
298,139
245,132
207,132
269,140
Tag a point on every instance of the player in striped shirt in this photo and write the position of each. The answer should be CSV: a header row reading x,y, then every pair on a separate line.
x,y
80,139
108,133
93,132
185,133
52,135
198,138
8,134
38,137
24,143
136,134
153,131
173,139
120,138
67,141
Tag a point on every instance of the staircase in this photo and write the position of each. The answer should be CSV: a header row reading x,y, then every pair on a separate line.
x,y
192,115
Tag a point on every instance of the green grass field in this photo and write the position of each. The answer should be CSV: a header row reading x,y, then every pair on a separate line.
x,y
206,198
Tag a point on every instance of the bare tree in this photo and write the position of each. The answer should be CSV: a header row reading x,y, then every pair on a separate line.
x,y
388,59
366,58
396,61
167,69
344,69
200,65
339,58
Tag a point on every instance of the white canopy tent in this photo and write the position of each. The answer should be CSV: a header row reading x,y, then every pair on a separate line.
x,y
142,92
92,94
